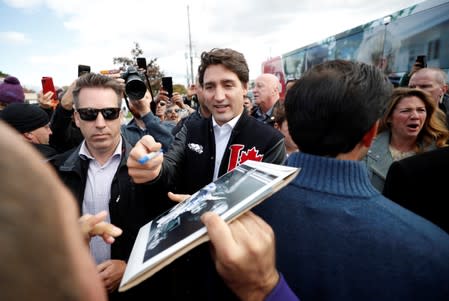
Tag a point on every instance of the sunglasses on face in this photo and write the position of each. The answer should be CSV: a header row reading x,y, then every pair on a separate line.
x,y
90,114
169,111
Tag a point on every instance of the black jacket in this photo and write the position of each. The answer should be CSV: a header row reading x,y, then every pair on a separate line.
x,y
66,135
45,150
418,183
131,206
444,106
189,166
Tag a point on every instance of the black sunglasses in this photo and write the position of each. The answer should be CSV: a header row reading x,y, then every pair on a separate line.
x,y
172,111
90,114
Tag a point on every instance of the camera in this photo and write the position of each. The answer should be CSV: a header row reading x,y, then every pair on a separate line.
x,y
135,87
83,69
421,61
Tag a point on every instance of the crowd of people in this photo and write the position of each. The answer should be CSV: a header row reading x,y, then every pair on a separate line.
x,y
363,220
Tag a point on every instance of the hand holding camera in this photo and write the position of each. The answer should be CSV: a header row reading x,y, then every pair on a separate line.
x,y
140,107
135,87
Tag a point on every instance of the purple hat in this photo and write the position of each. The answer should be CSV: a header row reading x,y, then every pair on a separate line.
x,y
11,91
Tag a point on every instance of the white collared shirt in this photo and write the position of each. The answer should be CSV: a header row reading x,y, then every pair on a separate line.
x,y
222,135
97,194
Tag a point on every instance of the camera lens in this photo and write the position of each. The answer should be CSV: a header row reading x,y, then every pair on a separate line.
x,y
135,87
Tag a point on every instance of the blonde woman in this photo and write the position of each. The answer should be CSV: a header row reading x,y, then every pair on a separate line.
x,y
410,125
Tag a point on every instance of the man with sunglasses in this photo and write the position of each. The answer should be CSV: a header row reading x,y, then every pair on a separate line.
x,y
161,107
97,175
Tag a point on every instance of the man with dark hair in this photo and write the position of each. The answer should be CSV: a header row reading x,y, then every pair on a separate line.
x,y
205,149
337,237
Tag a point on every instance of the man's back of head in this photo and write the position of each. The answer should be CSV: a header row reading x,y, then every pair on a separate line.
x,y
334,104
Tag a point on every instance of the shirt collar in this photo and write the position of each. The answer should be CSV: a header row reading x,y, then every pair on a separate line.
x,y
85,154
230,123
265,115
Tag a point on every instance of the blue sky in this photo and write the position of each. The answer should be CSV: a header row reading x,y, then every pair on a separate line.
x,y
32,34
51,37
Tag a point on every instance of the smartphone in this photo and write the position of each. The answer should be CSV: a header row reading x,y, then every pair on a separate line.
x,y
83,69
47,86
167,84
142,63
421,59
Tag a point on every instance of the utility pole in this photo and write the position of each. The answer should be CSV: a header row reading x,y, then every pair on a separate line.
x,y
192,77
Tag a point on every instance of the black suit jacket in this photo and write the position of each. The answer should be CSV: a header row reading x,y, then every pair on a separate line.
x,y
419,183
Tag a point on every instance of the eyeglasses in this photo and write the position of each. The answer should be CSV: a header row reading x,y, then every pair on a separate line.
x,y
169,111
161,103
90,114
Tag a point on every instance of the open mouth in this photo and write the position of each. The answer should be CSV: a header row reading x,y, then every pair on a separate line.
x,y
413,126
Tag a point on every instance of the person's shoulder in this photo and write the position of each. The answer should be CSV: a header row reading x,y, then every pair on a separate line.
x,y
196,121
254,109
60,158
437,158
260,127
130,124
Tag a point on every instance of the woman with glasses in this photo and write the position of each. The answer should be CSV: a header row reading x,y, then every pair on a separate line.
x,y
410,125
171,113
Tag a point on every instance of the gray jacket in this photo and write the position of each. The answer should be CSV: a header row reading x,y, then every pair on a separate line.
x,y
379,159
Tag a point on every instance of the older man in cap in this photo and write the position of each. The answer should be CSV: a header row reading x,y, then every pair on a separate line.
x,y
33,123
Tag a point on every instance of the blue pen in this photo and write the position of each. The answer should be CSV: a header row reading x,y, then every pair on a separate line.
x,y
145,158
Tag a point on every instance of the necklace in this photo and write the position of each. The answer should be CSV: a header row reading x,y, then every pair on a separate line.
x,y
398,155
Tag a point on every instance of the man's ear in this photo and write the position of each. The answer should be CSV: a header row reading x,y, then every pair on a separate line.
x,y
370,135
76,118
28,136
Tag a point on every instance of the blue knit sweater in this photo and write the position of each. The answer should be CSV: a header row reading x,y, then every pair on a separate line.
x,y
338,238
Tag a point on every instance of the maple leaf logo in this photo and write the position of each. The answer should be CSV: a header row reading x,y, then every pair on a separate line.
x,y
251,154
238,155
